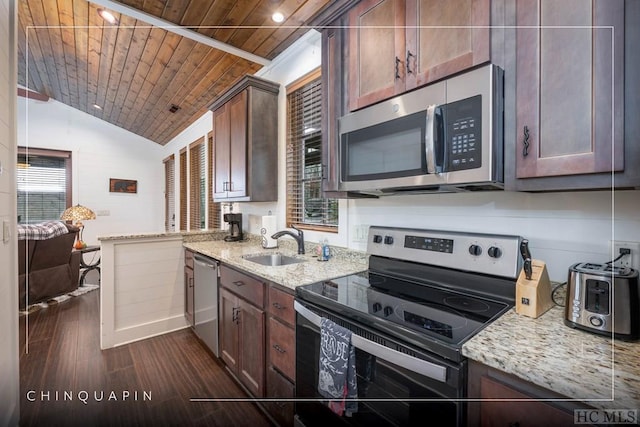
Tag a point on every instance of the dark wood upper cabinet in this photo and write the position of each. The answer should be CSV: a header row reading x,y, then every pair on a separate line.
x,y
397,45
245,129
569,87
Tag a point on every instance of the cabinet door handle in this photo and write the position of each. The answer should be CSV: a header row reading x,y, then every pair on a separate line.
x,y
238,283
278,306
398,68
409,56
525,142
279,349
191,282
233,316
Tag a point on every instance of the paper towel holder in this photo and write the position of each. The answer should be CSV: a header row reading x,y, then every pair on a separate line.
x,y
267,229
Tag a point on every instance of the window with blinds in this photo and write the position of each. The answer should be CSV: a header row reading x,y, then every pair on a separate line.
x,y
214,208
169,193
306,206
43,184
183,189
197,191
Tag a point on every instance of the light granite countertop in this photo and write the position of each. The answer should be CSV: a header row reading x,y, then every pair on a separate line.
x,y
589,368
341,263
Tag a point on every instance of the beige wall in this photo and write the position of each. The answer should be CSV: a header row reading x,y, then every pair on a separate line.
x,y
10,390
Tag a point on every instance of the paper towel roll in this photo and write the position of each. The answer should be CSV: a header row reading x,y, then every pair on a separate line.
x,y
267,230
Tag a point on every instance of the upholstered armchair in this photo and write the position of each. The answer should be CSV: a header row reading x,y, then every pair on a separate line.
x,y
47,265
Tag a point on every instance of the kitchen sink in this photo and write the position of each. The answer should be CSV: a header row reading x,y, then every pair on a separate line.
x,y
273,260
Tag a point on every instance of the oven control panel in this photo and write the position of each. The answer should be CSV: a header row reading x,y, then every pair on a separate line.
x,y
492,254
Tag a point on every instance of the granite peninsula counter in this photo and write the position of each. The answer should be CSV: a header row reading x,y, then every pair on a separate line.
x,y
596,370
341,263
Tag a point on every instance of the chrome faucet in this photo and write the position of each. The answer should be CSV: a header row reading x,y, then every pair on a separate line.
x,y
299,237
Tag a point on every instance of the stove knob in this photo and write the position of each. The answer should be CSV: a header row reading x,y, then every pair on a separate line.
x,y
388,310
475,250
388,240
377,238
494,252
376,307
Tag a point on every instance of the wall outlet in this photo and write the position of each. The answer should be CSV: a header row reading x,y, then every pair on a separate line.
x,y
360,233
632,260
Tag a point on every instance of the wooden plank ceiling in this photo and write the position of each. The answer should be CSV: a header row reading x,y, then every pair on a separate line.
x,y
136,72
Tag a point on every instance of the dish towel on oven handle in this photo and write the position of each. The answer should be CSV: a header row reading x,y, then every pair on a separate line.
x,y
337,368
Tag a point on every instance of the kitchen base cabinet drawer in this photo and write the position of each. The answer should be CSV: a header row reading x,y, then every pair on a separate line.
x,y
282,348
279,387
522,411
243,285
281,306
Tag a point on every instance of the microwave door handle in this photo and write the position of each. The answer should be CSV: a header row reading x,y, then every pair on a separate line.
x,y
429,140
423,367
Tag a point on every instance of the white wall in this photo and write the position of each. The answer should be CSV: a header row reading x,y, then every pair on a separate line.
x,y
100,151
562,228
10,389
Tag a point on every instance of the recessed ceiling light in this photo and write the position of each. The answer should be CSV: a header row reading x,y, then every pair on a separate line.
x,y
108,16
97,107
277,17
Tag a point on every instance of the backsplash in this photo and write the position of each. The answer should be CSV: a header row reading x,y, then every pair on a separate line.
x,y
562,228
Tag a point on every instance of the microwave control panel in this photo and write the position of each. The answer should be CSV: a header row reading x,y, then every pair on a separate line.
x,y
463,134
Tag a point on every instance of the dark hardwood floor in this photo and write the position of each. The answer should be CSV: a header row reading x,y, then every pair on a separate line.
x,y
66,380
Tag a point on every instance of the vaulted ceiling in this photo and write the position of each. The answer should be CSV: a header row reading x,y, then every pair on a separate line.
x,y
135,72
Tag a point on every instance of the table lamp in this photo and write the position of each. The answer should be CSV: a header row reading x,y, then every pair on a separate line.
x,y
77,214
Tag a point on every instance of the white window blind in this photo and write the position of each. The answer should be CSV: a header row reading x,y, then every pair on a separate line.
x,y
183,189
197,191
169,193
43,184
306,206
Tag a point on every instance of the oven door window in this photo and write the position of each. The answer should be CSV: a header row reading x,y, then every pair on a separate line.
x,y
389,395
391,149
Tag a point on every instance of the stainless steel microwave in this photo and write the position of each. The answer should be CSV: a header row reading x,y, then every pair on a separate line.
x,y
447,136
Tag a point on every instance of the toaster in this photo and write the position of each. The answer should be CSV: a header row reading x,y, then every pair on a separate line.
x,y
603,299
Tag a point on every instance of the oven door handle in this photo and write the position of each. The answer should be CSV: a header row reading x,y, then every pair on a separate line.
x,y
419,366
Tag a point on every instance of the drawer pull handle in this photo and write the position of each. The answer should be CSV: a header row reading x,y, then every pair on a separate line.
x,y
238,283
279,349
398,61
278,306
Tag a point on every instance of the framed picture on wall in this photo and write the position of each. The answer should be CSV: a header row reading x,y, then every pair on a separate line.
x,y
123,185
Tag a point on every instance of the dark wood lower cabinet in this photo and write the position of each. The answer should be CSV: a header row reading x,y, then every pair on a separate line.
x,y
188,287
251,347
242,332
279,388
505,400
281,351
228,330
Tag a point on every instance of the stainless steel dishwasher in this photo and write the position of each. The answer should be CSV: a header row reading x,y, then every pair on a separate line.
x,y
205,295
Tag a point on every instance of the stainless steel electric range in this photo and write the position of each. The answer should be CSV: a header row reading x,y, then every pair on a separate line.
x,y
425,294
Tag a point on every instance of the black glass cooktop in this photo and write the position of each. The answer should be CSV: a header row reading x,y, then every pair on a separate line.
x,y
428,316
